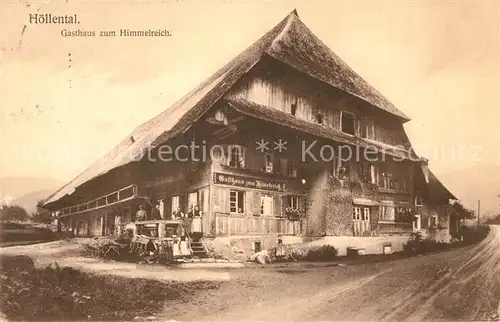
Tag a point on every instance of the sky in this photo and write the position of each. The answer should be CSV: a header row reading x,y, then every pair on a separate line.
x,y
438,62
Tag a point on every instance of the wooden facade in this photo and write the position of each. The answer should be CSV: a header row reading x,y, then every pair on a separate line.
x,y
246,189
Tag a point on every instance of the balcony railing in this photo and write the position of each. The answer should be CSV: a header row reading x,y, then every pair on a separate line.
x,y
115,197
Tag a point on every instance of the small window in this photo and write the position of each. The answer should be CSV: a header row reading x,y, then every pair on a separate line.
x,y
368,173
283,166
257,246
319,118
236,156
175,203
366,214
292,170
356,213
343,172
368,130
268,162
373,174
347,123
192,200
386,180
417,223
387,213
418,200
236,201
404,186
266,205
291,202
433,221
293,109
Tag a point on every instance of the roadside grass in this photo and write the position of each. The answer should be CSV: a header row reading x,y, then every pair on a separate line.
x,y
65,294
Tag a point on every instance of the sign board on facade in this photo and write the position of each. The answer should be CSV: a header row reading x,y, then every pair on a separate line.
x,y
245,182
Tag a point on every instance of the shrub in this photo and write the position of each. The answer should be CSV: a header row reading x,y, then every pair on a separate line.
x,y
474,234
317,254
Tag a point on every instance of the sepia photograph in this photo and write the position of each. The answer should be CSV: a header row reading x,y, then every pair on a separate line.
x,y
250,160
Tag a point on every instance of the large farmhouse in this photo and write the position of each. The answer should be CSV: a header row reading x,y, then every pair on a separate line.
x,y
285,139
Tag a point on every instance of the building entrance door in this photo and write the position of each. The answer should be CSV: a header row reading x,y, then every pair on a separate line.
x,y
361,221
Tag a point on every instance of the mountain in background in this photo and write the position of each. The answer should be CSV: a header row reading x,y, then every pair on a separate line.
x,y
481,182
26,191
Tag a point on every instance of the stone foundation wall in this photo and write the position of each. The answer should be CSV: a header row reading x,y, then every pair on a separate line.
x,y
241,247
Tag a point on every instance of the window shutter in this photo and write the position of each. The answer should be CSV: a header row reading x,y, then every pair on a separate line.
x,y
283,205
224,158
302,204
276,205
167,208
244,157
249,201
284,166
223,196
256,202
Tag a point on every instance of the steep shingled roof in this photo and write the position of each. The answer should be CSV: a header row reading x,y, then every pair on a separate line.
x,y
290,42
437,189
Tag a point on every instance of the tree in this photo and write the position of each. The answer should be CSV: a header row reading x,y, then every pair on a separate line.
x,y
494,221
463,212
13,212
43,217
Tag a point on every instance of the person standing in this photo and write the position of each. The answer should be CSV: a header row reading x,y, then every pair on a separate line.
x,y
196,222
280,249
141,214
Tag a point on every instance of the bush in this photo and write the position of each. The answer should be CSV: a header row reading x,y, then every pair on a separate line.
x,y
317,254
472,235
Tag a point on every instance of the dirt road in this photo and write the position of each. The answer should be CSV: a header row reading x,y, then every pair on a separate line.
x,y
459,284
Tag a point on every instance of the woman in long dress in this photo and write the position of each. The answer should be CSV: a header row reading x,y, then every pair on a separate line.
x,y
280,249
176,251
196,223
184,249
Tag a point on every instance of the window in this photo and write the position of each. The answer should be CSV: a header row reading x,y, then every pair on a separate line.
x,y
319,118
366,214
361,213
386,180
356,213
368,173
373,174
347,123
368,130
387,213
192,199
343,172
433,221
417,223
257,246
236,156
404,187
268,162
394,185
293,108
292,170
418,200
266,205
291,202
175,203
236,201
283,166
